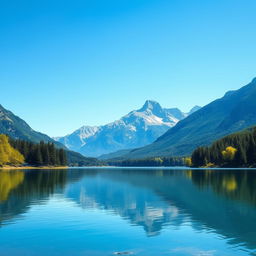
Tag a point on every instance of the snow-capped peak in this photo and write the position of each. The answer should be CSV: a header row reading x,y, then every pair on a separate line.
x,y
86,131
136,129
151,105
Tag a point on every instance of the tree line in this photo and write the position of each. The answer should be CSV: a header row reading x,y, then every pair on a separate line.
x,y
40,154
235,150
151,161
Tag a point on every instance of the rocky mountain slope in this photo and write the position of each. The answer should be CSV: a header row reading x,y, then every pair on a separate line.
x,y
16,128
233,112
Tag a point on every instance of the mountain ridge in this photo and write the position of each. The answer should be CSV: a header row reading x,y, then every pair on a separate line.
x,y
233,112
17,128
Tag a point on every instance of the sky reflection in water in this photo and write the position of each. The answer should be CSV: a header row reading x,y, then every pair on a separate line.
x,y
153,211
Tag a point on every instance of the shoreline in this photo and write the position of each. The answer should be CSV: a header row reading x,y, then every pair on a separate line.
x,y
32,167
66,167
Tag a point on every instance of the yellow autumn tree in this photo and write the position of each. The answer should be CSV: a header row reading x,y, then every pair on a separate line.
x,y
229,153
188,161
9,155
3,155
158,160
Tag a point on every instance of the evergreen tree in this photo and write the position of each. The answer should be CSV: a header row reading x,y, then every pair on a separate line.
x,y
40,154
235,150
251,150
62,157
38,159
241,158
52,153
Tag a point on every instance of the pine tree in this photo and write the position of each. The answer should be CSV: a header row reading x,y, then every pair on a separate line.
x,y
240,157
62,157
45,153
251,150
57,159
52,153
38,160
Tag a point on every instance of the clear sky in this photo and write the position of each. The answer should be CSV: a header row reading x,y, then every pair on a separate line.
x,y
68,63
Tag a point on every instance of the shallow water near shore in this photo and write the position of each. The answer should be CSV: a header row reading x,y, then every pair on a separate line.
x,y
131,211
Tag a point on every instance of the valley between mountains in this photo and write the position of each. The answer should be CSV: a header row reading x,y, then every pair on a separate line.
x,y
151,131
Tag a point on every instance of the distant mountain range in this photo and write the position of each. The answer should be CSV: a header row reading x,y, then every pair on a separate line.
x,y
136,129
16,128
151,130
233,112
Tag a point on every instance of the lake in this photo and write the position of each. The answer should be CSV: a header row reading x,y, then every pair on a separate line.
x,y
129,211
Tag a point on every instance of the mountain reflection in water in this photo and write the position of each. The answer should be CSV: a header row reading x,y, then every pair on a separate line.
x,y
221,201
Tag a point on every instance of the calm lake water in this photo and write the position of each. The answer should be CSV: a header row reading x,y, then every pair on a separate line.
x,y
144,211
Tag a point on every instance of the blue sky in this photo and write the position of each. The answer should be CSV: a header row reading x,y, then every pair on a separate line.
x,y
64,64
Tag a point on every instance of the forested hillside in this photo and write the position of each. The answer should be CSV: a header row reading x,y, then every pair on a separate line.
x,y
152,161
234,112
16,128
40,153
18,152
235,150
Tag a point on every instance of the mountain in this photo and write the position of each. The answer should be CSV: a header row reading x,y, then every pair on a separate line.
x,y
16,128
114,155
194,109
78,138
136,129
233,112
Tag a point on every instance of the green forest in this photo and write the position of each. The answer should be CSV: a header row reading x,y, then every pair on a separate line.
x,y
19,152
152,161
235,150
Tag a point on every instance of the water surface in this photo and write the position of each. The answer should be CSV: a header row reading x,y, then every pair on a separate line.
x,y
144,211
